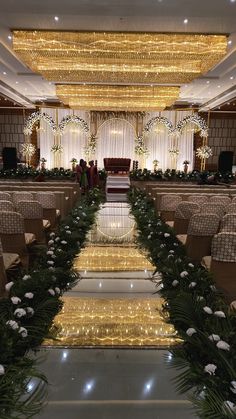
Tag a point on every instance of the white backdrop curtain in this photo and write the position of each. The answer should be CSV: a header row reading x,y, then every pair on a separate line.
x,y
73,140
115,138
159,143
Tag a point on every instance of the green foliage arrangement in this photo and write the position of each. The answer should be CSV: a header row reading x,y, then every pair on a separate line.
x,y
207,357
179,175
32,301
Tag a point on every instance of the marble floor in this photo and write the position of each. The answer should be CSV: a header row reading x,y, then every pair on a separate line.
x,y
105,383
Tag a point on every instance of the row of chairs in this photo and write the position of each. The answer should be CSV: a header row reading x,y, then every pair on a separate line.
x,y
8,262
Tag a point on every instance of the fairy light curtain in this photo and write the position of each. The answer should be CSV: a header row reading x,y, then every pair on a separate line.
x,y
115,138
159,143
73,139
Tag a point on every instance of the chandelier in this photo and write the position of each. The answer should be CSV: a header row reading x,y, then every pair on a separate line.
x,y
112,57
117,97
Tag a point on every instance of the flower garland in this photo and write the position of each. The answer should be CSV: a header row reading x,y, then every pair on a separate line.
x,y
91,146
30,305
194,119
204,152
35,117
140,148
57,148
159,120
72,119
198,312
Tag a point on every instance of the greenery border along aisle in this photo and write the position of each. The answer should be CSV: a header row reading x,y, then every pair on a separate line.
x,y
32,302
207,357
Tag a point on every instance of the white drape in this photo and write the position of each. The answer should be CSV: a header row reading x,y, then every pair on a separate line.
x,y
159,143
73,140
115,138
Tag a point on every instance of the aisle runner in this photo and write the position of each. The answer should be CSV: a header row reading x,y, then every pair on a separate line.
x,y
113,322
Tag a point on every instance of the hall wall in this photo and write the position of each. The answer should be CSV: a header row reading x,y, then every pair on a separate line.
x,y
11,129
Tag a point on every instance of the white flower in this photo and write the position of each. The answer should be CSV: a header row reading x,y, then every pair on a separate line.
x,y
52,235
83,213
51,291
183,274
220,314
208,310
190,265
149,236
210,369
50,262
29,295
25,277
231,406
171,251
23,332
2,369
233,388
191,331
54,278
9,285
57,239
162,245
15,300
66,227
192,284
50,253
77,218
50,242
19,312
12,324
57,290
166,234
170,256
200,298
175,244
214,338
51,268
63,242
68,232
213,288
223,345
30,310
175,283
53,256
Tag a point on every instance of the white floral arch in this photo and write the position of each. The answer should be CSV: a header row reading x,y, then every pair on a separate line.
x,y
38,116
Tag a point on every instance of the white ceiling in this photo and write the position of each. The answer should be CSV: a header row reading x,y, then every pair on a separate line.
x,y
204,16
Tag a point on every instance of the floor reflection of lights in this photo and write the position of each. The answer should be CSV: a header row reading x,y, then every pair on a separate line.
x,y
111,258
113,322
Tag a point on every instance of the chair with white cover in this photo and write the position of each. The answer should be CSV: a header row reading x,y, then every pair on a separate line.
x,y
13,236
184,211
48,202
213,208
168,205
228,222
22,196
231,208
6,206
5,196
222,263
201,229
220,199
32,212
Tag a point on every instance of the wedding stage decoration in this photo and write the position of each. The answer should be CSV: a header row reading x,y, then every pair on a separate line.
x,y
72,119
199,313
39,116
29,306
28,150
203,153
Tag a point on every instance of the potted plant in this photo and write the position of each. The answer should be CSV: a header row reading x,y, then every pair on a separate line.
x,y
155,164
73,161
43,163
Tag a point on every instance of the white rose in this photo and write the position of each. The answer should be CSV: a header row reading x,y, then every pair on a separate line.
x,y
183,274
12,324
57,239
30,310
52,235
29,295
19,312
149,236
191,331
214,338
51,291
2,369
192,284
63,242
67,227
57,290
50,242
213,288
50,253
25,277
171,251
233,388
208,310
162,246
166,235
200,298
9,285
190,265
23,332
15,300
210,369
223,345
83,213
78,218
220,314
231,406
68,232
50,262
175,283
51,268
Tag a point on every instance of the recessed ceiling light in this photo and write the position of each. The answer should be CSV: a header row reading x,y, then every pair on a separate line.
x,y
232,77
9,37
230,42
4,72
207,82
17,82
56,18
232,1
185,21
219,85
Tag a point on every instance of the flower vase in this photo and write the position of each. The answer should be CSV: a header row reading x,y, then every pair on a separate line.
x,y
186,168
43,167
73,166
